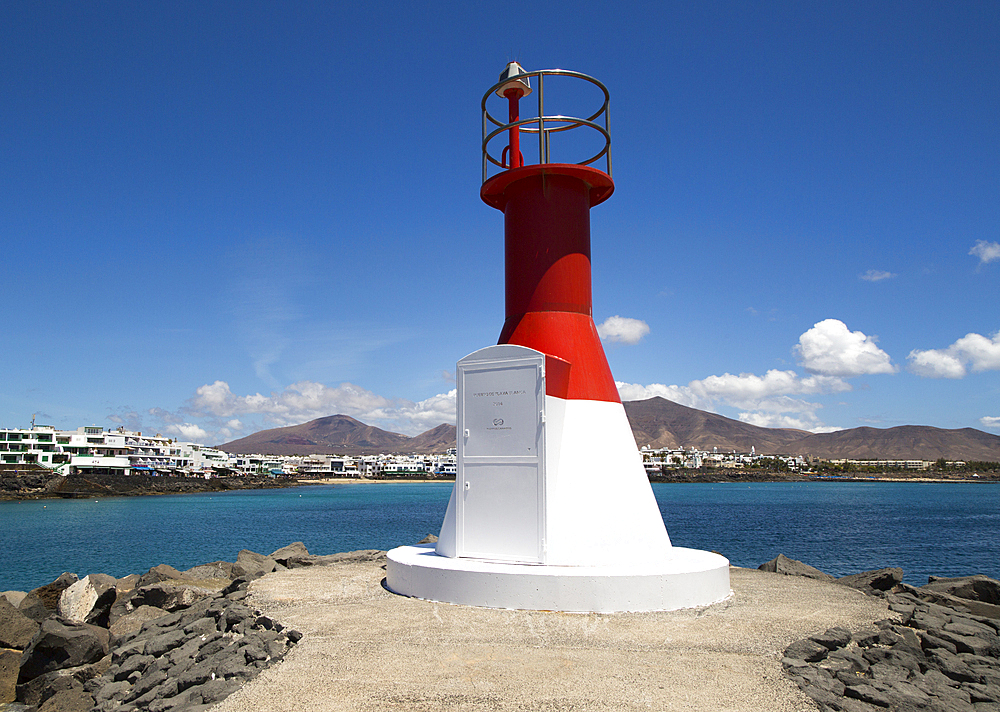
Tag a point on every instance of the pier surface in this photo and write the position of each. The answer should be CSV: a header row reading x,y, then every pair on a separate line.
x,y
368,649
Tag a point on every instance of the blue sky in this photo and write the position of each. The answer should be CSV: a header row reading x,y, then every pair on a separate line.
x,y
222,217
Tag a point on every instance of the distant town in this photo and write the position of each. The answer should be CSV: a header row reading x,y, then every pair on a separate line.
x,y
92,450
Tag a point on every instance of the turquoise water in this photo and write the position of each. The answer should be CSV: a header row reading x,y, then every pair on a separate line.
x,y
841,528
123,535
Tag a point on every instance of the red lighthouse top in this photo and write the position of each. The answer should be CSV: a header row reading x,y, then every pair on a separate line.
x,y
514,84
546,209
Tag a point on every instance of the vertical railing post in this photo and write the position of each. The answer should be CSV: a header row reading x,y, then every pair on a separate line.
x,y
514,114
542,139
607,127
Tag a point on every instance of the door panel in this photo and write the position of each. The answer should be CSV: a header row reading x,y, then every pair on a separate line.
x,y
501,398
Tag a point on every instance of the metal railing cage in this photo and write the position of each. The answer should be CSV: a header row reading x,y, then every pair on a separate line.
x,y
545,125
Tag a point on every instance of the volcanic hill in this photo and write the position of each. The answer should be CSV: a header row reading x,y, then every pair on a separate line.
x,y
341,435
656,422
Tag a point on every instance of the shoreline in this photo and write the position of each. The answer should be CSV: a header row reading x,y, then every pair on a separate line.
x,y
263,632
368,481
36,486
48,487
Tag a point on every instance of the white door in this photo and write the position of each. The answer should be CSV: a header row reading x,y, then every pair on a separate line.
x,y
500,483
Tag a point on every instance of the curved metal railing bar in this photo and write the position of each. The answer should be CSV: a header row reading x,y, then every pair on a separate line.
x,y
539,124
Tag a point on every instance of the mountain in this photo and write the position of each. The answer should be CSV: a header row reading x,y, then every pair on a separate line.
x,y
437,439
338,434
656,422
906,442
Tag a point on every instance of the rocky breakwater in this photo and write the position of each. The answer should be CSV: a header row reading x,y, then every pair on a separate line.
x,y
941,653
165,640
23,484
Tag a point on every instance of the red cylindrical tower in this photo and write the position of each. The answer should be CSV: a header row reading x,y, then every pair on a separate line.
x,y
546,209
547,272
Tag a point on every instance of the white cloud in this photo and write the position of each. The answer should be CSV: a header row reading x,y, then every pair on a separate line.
x,y
623,329
747,390
298,403
935,364
986,251
165,415
413,418
990,421
973,352
188,432
829,348
829,351
776,420
876,275
678,394
127,417
308,400
765,400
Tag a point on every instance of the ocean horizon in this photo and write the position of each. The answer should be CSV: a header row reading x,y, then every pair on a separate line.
x,y
939,529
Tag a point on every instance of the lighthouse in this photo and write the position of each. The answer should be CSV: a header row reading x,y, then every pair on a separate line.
x,y
551,508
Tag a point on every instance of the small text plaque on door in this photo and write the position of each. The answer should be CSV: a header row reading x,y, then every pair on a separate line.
x,y
501,410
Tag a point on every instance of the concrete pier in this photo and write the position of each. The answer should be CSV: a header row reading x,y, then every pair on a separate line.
x,y
368,649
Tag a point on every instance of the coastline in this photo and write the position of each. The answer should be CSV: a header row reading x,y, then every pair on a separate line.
x,y
48,486
218,640
369,481
34,485
715,476
266,631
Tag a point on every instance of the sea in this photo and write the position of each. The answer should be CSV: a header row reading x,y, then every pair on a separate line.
x,y
946,529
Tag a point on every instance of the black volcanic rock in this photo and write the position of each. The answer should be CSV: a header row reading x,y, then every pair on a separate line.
x,y
62,644
781,564
973,588
16,629
937,656
877,580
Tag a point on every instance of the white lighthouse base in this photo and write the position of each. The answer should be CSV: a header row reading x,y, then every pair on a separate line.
x,y
551,508
686,578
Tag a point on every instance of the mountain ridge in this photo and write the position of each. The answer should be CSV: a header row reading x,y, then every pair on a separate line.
x,y
657,423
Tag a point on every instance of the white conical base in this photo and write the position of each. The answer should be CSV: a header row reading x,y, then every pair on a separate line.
x,y
687,579
605,545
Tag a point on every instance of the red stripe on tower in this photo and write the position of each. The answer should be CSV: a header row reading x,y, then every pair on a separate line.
x,y
547,271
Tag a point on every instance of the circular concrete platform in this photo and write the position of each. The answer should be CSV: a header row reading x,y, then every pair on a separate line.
x,y
685,578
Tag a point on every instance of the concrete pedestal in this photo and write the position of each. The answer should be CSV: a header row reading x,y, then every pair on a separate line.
x,y
686,578
584,533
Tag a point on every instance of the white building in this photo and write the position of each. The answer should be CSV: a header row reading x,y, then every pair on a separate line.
x,y
38,445
92,450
